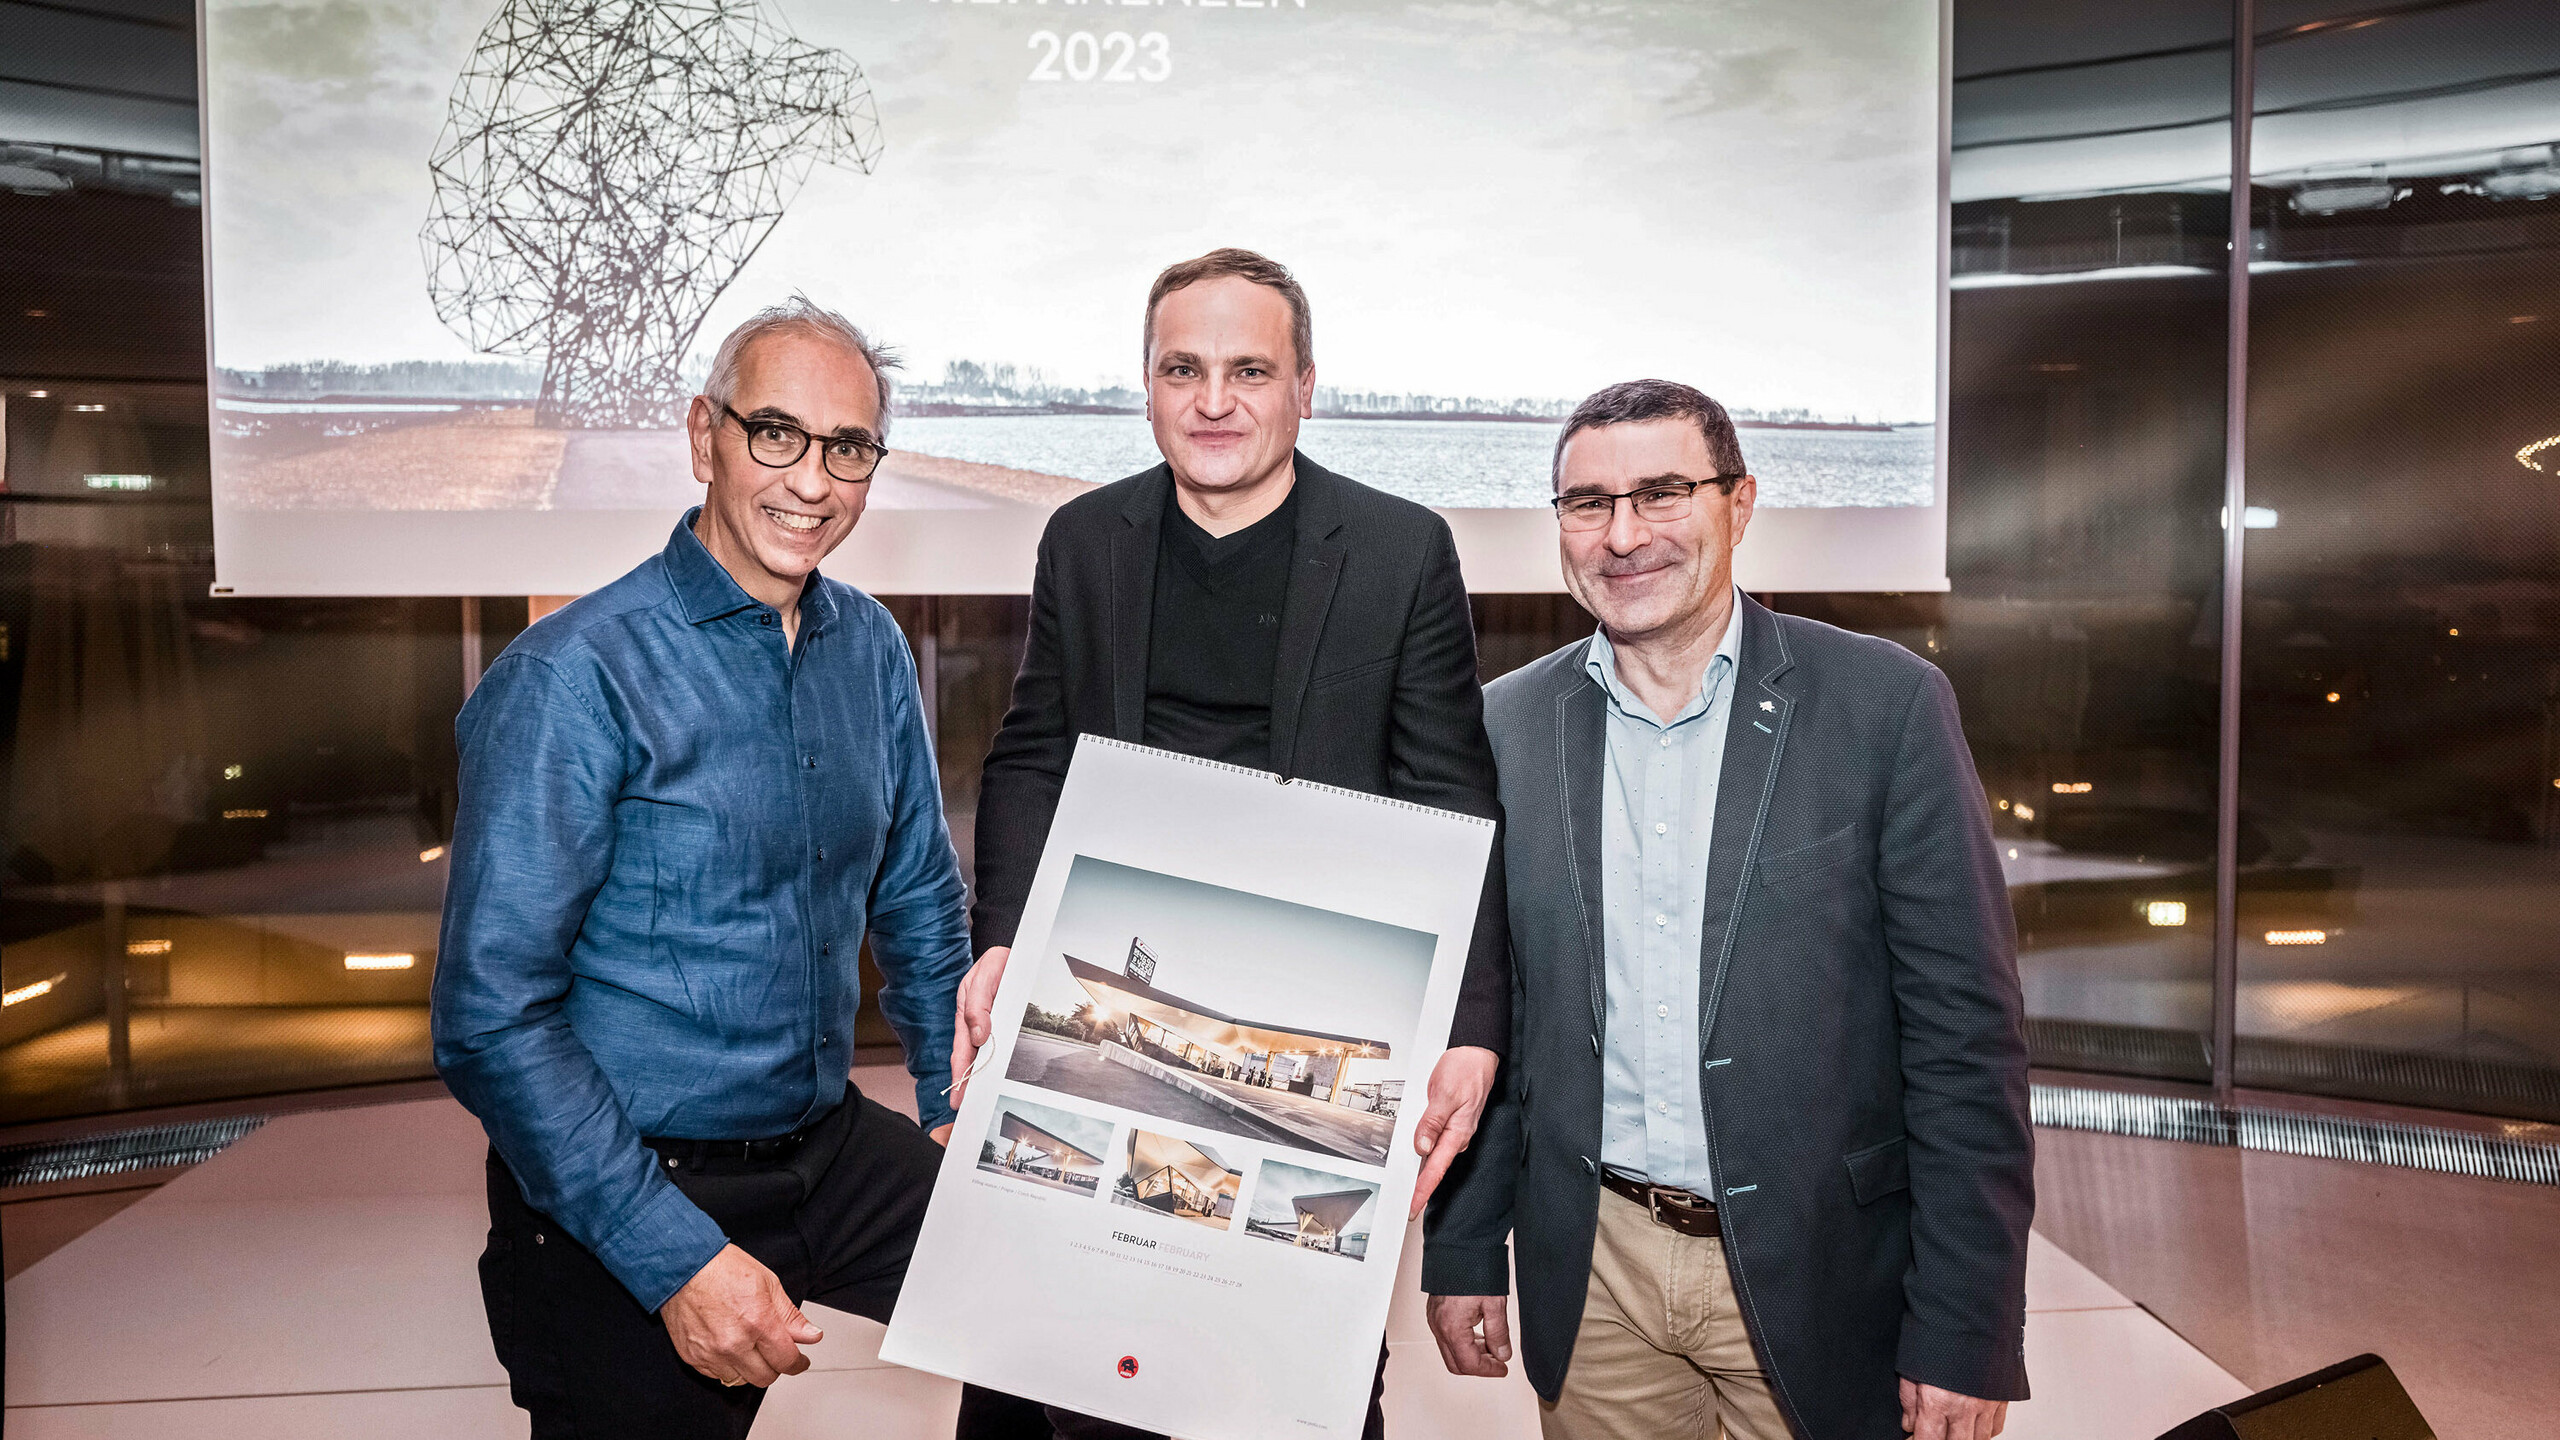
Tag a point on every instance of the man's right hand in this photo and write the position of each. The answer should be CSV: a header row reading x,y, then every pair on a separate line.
x,y
976,1020
732,1322
1463,1348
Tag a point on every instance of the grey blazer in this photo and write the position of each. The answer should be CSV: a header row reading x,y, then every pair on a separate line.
x,y
1864,1071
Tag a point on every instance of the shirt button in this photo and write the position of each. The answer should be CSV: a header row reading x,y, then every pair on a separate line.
x,y
1666,742
813,762
822,852
1661,829
1661,1107
826,947
765,619
1662,1010
1661,919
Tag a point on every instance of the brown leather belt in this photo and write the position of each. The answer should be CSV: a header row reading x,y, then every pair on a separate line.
x,y
1684,1211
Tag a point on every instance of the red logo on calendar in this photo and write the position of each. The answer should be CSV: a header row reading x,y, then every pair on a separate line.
x,y
1128,1367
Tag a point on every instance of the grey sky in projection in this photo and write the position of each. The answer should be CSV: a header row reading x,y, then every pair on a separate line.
x,y
1249,957
1526,198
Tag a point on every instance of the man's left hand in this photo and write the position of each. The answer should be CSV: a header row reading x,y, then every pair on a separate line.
x,y
940,1135
1460,1085
1929,1413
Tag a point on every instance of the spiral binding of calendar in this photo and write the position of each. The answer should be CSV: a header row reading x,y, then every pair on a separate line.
x,y
1285,780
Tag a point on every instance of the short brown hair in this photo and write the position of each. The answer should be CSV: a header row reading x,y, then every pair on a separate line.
x,y
1244,265
1631,402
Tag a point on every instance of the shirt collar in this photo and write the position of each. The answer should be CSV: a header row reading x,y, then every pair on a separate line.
x,y
707,591
1601,663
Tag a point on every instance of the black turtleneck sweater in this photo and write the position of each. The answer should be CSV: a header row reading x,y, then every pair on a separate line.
x,y
1214,640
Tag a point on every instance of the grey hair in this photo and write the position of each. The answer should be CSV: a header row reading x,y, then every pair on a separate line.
x,y
1632,402
806,316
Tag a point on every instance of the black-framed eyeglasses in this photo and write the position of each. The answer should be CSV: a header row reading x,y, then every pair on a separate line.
x,y
1664,500
780,444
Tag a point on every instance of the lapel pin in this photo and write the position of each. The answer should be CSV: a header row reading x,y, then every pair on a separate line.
x,y
1769,705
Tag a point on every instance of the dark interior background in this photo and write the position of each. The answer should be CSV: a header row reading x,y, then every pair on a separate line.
x,y
212,803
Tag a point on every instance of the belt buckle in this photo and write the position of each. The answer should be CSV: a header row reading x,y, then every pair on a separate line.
x,y
1653,1203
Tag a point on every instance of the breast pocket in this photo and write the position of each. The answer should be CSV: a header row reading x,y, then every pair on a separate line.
x,y
1806,862
1383,667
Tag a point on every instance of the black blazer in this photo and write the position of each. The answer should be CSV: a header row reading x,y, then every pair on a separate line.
x,y
1864,1071
1376,689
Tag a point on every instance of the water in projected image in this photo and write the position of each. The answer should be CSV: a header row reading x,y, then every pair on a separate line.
x,y
1487,464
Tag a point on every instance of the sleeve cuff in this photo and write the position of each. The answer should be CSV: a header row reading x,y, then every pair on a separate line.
x,y
987,930
662,1247
933,1105
1968,1364
1474,1030
1465,1269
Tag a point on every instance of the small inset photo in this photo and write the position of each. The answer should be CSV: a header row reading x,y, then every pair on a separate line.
x,y
1045,1146
1313,1210
1176,1177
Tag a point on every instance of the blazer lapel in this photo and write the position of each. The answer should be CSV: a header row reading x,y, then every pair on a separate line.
x,y
1582,713
1314,570
1133,601
1755,741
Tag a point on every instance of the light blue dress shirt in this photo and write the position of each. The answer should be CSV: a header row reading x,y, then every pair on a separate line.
x,y
1658,810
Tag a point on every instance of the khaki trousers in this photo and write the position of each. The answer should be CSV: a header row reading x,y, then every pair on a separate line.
x,y
1662,1353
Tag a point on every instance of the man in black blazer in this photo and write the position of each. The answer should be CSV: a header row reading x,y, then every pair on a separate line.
x,y
1764,1136
1241,603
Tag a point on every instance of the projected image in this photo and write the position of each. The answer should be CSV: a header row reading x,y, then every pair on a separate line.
x,y
1043,1145
1313,1210
538,220
1176,1177
1225,1011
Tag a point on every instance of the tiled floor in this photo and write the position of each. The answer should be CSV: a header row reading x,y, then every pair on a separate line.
x,y
316,1280
2279,1265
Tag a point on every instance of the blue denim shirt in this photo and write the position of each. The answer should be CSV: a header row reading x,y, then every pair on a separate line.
x,y
673,835
1658,813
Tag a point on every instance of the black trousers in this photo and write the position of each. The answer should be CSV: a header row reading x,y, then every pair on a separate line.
x,y
836,1223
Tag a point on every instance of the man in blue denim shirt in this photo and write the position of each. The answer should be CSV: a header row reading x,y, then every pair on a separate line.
x,y
686,799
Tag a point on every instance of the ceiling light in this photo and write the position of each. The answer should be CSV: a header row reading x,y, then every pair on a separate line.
x,y
2529,174
431,854
89,409
148,947
2025,811
2297,937
2072,787
2526,456
2343,197
25,993
117,482
39,394
381,962
2165,913
2333,697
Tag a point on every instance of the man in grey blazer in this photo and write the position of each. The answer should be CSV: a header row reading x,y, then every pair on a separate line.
x,y
1763,1132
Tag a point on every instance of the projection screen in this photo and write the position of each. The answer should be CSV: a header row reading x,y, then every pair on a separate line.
x,y
467,259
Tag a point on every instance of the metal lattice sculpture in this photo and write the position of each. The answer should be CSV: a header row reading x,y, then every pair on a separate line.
x,y
605,171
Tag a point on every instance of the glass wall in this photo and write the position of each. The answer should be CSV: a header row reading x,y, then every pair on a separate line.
x,y
224,818
2401,656
2085,433
226,821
